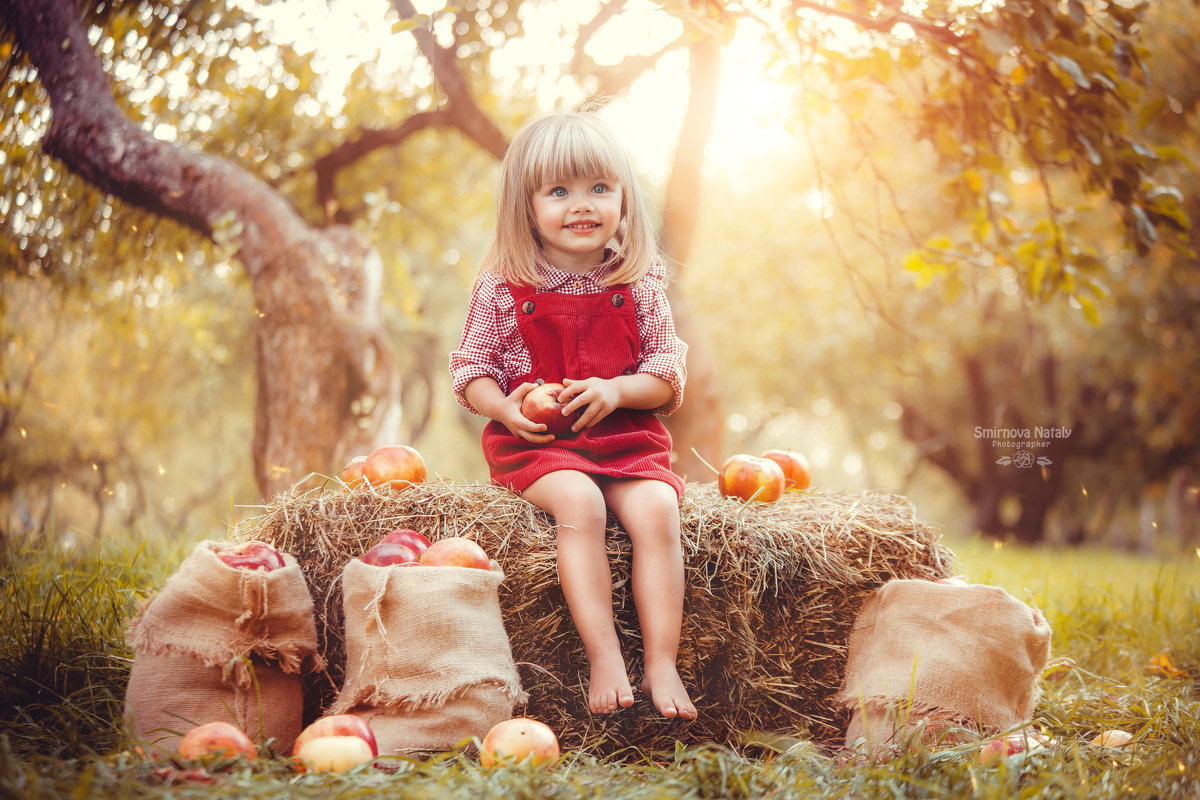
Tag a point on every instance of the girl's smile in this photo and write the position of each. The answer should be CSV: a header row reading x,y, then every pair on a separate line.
x,y
575,220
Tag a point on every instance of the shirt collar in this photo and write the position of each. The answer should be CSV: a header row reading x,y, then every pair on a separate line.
x,y
554,278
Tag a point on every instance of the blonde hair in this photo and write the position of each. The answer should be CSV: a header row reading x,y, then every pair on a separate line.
x,y
555,148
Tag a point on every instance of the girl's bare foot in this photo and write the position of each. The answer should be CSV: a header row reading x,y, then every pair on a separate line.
x,y
608,687
666,689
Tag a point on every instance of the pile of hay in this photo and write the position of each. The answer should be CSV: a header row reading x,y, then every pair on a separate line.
x,y
772,595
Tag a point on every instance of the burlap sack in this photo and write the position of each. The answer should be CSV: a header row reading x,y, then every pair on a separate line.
x,y
930,657
428,662
219,643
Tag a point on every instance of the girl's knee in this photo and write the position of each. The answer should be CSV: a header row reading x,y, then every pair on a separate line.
x,y
573,499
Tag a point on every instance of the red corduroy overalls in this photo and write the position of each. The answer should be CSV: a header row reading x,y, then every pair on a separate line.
x,y
581,336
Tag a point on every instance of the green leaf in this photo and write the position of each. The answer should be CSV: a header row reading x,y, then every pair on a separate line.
x,y
1090,313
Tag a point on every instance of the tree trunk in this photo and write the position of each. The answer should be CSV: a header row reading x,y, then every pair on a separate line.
x,y
326,383
697,426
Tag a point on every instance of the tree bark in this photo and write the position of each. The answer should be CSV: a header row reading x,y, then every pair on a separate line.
x,y
326,384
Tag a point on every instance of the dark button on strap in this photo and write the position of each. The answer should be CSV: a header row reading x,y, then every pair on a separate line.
x,y
527,306
618,300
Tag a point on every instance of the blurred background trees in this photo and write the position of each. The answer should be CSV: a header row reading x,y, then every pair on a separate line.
x,y
892,226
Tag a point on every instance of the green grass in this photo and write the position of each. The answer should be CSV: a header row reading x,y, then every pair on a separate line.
x,y
63,665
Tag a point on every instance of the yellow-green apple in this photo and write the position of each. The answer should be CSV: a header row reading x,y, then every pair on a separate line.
x,y
250,555
216,740
396,466
515,740
455,551
409,537
351,475
751,478
337,725
385,554
541,405
797,474
332,754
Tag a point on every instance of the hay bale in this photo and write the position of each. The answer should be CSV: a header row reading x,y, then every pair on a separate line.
x,y
772,592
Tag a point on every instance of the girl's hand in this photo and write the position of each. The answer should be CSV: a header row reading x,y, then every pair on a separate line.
x,y
597,396
508,414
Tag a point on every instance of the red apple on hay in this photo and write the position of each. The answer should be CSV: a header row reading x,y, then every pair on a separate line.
x,y
352,474
515,740
386,554
336,725
250,555
796,472
455,551
216,740
409,537
541,405
395,466
747,477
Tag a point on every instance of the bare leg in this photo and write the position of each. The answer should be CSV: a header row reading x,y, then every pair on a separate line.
x,y
577,505
649,512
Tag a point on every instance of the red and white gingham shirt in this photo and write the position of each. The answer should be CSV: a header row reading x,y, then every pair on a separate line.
x,y
492,346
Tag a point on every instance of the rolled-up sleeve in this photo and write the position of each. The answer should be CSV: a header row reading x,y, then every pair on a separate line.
x,y
479,354
664,354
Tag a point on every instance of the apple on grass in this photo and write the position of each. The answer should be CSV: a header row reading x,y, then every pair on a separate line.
x,y
455,551
517,740
334,743
751,478
250,555
541,405
395,466
797,475
386,554
333,754
1013,744
1112,738
216,740
410,538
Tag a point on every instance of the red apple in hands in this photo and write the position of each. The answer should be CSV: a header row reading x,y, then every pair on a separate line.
x,y
337,725
385,554
352,474
216,740
395,466
410,538
748,477
515,740
796,472
250,555
541,405
455,551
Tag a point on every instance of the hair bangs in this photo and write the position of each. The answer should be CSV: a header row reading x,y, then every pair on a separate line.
x,y
574,150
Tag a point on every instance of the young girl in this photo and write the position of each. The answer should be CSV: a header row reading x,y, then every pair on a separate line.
x,y
553,303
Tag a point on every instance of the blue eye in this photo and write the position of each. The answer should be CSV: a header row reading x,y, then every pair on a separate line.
x,y
558,191
600,188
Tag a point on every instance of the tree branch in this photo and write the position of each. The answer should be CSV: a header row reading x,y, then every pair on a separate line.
x,y
884,23
616,78
366,142
91,135
460,112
